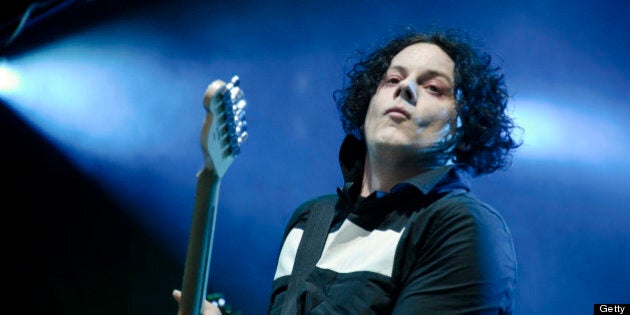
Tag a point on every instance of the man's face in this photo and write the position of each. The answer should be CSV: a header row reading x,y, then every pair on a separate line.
x,y
413,108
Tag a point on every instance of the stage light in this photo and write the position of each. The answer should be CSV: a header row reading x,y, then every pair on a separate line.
x,y
556,132
101,107
9,79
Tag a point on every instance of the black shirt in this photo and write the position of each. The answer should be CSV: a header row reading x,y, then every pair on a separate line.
x,y
428,246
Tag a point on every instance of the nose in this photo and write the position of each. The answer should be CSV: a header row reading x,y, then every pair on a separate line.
x,y
408,91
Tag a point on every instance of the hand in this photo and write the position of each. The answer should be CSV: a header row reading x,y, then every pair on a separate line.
x,y
208,308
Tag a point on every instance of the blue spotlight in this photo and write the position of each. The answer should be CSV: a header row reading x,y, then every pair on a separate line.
x,y
9,79
121,114
555,132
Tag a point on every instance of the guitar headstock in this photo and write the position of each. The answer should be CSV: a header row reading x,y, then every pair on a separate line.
x,y
225,128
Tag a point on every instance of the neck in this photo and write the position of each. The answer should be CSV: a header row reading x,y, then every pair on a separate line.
x,y
383,174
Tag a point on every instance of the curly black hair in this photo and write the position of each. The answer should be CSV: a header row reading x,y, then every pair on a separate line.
x,y
484,142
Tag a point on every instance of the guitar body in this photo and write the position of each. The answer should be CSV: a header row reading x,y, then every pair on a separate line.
x,y
222,133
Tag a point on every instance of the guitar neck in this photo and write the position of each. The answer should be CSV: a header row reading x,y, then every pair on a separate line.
x,y
224,130
197,267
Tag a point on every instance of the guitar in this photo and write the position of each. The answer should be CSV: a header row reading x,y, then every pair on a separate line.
x,y
223,132
225,308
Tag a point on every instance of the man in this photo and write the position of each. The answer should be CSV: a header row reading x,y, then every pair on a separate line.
x,y
422,114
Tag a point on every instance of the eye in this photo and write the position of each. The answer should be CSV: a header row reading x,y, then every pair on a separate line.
x,y
391,80
434,89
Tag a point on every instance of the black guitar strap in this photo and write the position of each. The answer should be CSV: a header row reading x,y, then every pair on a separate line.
x,y
310,249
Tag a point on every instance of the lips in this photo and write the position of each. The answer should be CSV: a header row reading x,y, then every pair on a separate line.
x,y
398,111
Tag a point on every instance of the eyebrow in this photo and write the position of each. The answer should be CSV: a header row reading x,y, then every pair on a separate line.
x,y
426,73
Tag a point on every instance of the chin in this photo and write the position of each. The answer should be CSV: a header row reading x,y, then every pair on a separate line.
x,y
393,145
393,137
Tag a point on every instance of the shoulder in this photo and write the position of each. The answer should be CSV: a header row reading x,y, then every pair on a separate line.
x,y
462,222
466,208
463,244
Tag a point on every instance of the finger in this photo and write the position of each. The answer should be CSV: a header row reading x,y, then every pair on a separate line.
x,y
210,309
177,295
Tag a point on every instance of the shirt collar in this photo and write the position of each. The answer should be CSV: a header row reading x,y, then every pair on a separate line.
x,y
439,179
352,158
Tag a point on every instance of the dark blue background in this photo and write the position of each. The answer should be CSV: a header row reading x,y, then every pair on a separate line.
x,y
110,98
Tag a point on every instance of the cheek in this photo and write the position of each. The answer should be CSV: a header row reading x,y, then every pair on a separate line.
x,y
448,123
448,114
435,118
453,117
370,116
451,122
